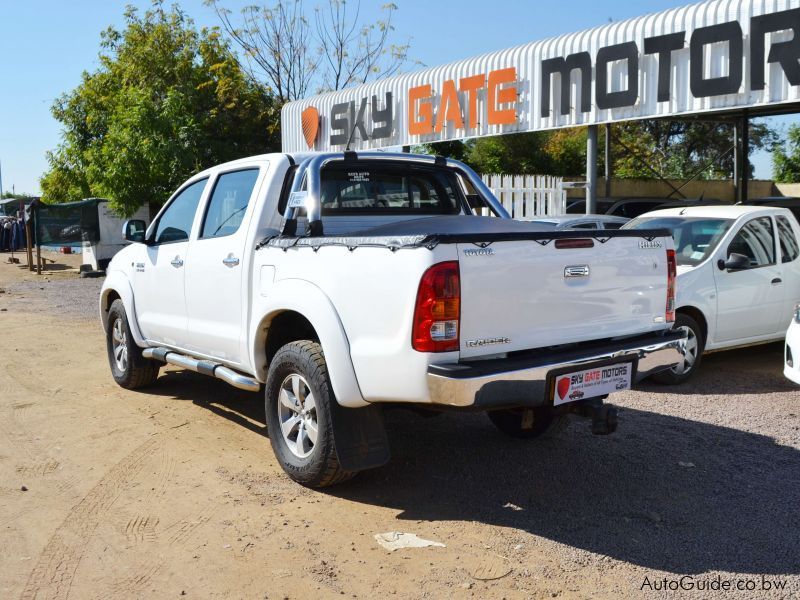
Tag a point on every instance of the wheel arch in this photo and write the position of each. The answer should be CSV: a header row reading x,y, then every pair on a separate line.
x,y
295,310
696,314
117,287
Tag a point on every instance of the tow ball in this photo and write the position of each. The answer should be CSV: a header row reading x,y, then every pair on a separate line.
x,y
604,416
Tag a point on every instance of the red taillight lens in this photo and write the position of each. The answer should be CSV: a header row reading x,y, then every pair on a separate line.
x,y
672,269
438,309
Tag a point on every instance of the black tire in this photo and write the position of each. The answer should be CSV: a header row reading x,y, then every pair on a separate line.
x,y
683,372
320,467
516,422
136,371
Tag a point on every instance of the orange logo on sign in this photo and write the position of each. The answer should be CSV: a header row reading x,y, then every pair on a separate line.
x,y
310,120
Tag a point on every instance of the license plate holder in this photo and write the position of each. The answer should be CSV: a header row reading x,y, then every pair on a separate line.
x,y
600,378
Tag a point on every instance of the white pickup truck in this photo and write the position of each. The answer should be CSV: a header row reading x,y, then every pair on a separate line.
x,y
344,282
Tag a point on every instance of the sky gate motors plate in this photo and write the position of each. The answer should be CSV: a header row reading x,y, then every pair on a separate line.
x,y
591,383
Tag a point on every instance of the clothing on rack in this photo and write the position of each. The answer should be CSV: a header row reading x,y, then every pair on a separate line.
x,y
12,234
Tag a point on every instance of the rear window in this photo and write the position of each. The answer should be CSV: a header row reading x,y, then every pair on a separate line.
x,y
375,189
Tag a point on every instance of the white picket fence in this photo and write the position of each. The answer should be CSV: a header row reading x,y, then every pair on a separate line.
x,y
528,196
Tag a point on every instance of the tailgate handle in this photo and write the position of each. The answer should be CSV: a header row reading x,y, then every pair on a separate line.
x,y
776,280
576,271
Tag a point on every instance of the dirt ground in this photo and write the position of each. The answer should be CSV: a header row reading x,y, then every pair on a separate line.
x,y
174,492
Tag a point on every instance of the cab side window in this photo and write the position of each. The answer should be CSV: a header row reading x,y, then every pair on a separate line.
x,y
756,241
175,222
228,203
789,248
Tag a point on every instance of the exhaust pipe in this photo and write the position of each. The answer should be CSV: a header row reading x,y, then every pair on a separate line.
x,y
205,367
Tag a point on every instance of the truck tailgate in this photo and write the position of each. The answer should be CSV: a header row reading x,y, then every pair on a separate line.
x,y
524,294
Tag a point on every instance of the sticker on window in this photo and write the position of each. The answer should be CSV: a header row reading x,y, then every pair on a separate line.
x,y
358,176
298,199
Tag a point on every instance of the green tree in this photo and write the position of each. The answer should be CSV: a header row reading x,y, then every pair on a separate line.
x,y
561,152
168,100
680,149
786,157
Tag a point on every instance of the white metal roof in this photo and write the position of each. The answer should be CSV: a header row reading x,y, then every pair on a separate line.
x,y
527,61
734,211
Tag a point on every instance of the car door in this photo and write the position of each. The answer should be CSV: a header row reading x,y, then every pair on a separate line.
x,y
159,280
749,301
790,251
215,294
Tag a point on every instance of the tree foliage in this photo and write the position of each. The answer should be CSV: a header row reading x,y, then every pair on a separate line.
x,y
640,149
786,157
561,152
680,149
296,55
167,100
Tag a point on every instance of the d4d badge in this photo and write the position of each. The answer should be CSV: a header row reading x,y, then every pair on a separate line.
x,y
310,121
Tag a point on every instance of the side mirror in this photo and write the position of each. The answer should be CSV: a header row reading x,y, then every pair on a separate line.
x,y
133,230
735,262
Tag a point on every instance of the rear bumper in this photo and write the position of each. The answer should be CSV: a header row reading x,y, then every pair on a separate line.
x,y
524,381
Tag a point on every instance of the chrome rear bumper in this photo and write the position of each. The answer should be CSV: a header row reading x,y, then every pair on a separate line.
x,y
504,382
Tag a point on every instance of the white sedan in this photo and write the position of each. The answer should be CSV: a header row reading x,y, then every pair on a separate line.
x,y
738,276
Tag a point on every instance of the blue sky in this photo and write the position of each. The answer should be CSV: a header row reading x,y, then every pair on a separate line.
x,y
46,44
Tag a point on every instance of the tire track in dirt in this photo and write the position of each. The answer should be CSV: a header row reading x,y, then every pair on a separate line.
x,y
55,568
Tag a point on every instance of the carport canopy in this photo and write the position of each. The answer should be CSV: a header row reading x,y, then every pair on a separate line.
x,y
721,60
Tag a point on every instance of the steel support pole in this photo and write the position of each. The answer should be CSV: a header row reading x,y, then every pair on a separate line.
x,y
736,158
745,155
609,168
591,170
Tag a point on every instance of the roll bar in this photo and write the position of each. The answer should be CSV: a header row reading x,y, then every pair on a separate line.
x,y
310,170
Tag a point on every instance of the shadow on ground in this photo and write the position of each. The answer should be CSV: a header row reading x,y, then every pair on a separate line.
x,y
751,370
626,496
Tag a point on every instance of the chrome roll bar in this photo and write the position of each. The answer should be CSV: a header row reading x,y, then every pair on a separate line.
x,y
309,173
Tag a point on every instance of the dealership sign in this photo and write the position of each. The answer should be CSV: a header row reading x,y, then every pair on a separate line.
x,y
707,57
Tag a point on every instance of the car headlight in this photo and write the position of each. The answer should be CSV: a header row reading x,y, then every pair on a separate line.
x,y
797,313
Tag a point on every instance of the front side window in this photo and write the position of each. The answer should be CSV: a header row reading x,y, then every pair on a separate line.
x,y
789,248
756,241
175,223
228,203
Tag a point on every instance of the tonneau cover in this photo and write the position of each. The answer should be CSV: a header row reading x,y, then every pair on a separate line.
x,y
429,232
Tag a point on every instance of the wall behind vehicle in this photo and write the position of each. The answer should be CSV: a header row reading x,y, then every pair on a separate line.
x,y
718,189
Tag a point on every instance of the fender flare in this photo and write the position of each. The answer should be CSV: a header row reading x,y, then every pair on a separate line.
x,y
305,298
117,281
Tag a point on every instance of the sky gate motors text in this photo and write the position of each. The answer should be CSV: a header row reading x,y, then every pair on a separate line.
x,y
430,110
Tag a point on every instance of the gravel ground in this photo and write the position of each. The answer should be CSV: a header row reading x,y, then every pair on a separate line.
x,y
700,480
71,298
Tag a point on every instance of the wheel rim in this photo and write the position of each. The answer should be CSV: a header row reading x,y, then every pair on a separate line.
x,y
690,356
119,343
297,413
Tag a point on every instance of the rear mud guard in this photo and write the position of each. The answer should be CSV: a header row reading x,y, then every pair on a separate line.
x,y
360,434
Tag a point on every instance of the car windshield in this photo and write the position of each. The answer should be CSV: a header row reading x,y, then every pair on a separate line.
x,y
695,237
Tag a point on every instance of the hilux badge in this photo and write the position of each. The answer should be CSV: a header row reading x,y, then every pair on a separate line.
x,y
649,244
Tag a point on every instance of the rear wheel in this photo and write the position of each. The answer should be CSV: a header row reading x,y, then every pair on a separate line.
x,y
128,367
298,401
695,344
526,423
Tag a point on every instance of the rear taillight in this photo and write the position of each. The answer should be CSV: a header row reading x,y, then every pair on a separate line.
x,y
672,269
438,309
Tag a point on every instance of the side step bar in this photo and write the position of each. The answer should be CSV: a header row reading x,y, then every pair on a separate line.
x,y
206,367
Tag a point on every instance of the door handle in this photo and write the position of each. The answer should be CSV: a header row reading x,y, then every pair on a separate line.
x,y
177,262
230,261
776,281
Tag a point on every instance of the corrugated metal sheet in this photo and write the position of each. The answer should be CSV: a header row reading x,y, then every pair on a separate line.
x,y
527,60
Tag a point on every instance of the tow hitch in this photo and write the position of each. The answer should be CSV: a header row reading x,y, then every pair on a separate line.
x,y
604,416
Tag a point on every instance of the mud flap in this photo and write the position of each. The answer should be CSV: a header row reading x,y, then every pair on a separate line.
x,y
360,435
